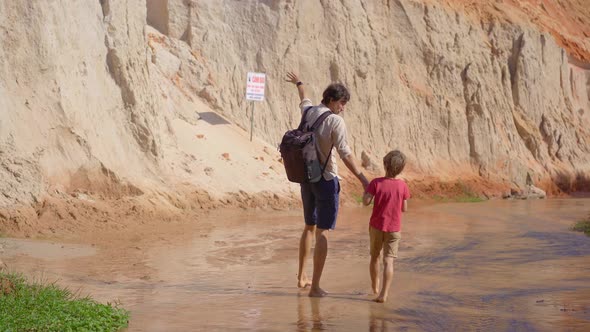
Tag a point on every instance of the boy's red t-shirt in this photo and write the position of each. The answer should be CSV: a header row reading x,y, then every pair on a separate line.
x,y
389,195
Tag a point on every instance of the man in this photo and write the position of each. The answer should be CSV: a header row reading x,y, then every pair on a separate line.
x,y
320,200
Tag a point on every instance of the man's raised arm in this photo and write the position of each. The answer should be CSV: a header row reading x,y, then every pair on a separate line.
x,y
292,77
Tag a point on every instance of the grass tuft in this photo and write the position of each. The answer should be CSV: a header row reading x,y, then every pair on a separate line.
x,y
460,193
29,306
358,198
582,226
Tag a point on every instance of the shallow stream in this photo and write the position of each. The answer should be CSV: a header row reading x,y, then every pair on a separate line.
x,y
491,266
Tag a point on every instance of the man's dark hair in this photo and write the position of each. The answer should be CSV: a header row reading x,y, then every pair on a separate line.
x,y
335,92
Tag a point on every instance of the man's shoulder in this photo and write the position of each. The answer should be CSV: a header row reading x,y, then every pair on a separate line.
x,y
305,104
333,119
319,110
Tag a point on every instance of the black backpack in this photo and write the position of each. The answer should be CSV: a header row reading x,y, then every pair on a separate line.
x,y
299,154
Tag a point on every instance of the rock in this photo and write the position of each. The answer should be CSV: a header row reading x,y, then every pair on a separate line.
x,y
530,192
533,192
529,180
166,62
368,163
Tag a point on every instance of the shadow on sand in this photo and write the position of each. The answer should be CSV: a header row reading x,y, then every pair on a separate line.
x,y
212,118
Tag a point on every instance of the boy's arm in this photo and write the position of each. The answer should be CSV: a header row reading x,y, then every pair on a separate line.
x,y
406,197
293,78
367,198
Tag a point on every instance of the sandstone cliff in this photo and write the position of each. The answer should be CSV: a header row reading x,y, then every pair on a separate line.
x,y
468,89
106,100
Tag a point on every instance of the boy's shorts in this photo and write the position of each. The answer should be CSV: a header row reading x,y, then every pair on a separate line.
x,y
320,203
388,241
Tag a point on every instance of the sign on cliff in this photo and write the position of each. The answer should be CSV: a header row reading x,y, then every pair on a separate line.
x,y
254,91
255,86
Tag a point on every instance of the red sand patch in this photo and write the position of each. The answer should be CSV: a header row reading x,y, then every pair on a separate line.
x,y
567,21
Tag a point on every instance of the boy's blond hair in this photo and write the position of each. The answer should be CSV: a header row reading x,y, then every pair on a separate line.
x,y
394,163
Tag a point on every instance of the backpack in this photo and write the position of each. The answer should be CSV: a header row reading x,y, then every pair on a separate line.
x,y
299,153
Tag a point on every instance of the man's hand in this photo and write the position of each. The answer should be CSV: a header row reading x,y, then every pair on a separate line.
x,y
363,181
292,77
349,163
367,198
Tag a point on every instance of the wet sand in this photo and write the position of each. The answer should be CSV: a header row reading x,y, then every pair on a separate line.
x,y
492,266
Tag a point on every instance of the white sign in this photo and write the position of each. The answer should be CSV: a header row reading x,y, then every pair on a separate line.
x,y
255,86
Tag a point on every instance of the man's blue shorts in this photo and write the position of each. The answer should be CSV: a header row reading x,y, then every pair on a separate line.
x,y
320,203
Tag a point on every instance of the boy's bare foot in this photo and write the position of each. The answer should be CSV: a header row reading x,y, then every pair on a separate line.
x,y
317,292
303,283
380,299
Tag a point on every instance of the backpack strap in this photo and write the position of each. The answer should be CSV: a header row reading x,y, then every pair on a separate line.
x,y
303,116
316,124
326,162
320,119
314,127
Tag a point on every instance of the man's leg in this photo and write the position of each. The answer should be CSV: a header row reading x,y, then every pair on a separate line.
x,y
387,277
304,249
327,199
309,214
319,259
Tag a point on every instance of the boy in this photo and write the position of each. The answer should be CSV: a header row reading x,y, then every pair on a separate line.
x,y
391,199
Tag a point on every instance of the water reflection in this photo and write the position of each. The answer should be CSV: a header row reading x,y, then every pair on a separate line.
x,y
309,315
377,322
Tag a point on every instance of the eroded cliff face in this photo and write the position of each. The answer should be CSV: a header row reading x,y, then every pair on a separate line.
x,y
103,97
465,92
76,108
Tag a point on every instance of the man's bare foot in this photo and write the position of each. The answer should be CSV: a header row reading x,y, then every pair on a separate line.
x,y
317,292
375,290
303,283
380,299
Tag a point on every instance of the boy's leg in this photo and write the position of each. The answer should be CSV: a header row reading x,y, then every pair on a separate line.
x,y
304,250
387,278
390,248
319,259
374,271
376,243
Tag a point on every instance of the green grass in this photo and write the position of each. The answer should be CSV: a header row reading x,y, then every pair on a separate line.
x,y
26,306
466,195
357,198
582,226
